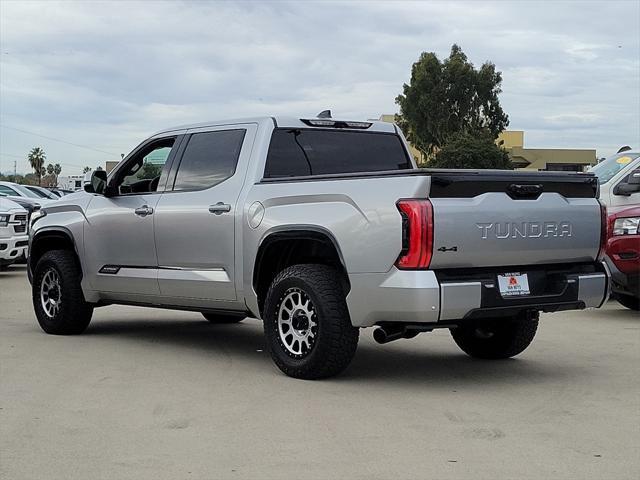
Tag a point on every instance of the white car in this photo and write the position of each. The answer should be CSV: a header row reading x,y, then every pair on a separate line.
x,y
15,190
14,238
616,177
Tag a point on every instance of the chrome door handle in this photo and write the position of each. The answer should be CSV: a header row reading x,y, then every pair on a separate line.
x,y
143,211
219,208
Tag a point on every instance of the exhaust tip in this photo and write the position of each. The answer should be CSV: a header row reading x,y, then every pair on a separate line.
x,y
380,335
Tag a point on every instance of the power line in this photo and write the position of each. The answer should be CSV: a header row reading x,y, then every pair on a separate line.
x,y
57,140
64,164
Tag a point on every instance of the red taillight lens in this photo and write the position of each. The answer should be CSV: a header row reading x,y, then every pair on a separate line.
x,y
603,232
417,234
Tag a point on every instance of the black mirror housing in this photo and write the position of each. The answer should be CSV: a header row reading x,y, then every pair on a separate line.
x,y
634,178
98,183
626,189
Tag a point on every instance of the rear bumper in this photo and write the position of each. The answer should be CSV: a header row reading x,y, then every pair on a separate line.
x,y
12,248
447,297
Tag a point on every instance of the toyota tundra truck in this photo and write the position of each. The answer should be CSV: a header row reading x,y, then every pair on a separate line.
x,y
320,227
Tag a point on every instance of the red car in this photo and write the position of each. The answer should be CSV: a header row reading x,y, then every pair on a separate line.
x,y
623,254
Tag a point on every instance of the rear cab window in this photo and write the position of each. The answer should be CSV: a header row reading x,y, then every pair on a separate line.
x,y
297,152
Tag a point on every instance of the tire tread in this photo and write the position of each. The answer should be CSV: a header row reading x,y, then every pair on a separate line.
x,y
341,338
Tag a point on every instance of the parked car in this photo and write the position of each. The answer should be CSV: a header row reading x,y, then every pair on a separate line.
x,y
15,190
619,177
60,192
42,192
321,227
29,204
13,232
623,255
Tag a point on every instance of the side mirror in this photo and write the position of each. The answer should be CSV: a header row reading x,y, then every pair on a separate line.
x,y
631,186
98,182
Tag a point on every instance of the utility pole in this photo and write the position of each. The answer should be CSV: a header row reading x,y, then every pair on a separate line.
x,y
15,174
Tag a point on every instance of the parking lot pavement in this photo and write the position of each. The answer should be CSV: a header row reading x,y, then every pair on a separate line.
x,y
147,393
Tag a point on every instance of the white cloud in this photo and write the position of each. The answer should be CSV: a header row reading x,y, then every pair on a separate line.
x,y
107,74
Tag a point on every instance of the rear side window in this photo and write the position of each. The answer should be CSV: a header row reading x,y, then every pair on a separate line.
x,y
301,152
208,159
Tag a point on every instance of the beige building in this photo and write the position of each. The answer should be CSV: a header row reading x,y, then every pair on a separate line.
x,y
563,159
512,141
110,165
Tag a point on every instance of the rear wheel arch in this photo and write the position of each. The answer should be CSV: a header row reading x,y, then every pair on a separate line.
x,y
284,248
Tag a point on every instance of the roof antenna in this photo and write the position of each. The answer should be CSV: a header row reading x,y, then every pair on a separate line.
x,y
325,114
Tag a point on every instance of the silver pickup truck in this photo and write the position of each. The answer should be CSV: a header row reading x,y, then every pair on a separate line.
x,y
320,227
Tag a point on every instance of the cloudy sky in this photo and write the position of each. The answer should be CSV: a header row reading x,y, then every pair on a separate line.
x,y
103,75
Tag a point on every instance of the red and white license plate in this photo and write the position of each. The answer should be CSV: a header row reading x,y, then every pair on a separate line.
x,y
513,284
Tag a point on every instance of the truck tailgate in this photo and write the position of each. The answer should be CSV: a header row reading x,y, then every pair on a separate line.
x,y
513,218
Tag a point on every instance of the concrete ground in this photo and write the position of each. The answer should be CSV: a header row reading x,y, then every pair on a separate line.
x,y
153,394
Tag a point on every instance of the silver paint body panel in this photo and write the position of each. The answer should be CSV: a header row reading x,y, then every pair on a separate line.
x,y
184,256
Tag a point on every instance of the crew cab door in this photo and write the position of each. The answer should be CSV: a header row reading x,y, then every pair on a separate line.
x,y
119,243
195,220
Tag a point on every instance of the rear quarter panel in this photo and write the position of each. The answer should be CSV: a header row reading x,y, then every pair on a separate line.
x,y
360,214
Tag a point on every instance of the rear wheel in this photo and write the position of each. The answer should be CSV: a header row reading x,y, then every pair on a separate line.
x,y
496,338
306,322
632,303
223,318
57,296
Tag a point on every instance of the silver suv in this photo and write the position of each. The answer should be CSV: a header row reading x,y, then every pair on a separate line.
x,y
320,227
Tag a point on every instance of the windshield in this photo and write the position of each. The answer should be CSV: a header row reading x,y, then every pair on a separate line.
x,y
39,192
607,169
25,191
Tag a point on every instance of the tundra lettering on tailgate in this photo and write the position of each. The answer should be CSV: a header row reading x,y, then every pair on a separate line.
x,y
525,229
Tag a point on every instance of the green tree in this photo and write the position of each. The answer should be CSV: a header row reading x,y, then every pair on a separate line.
x,y
36,159
471,150
448,97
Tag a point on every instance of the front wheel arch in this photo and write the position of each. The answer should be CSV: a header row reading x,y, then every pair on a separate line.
x,y
51,239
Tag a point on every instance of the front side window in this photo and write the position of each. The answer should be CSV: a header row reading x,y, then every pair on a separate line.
x,y
302,152
208,159
142,174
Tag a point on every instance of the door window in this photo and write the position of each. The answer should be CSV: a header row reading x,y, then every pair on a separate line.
x,y
7,191
209,159
143,172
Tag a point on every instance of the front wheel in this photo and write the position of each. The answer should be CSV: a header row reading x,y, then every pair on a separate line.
x,y
496,338
57,296
306,322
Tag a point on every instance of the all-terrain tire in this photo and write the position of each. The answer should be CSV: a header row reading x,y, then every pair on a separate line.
x,y
629,301
334,341
73,313
496,338
223,318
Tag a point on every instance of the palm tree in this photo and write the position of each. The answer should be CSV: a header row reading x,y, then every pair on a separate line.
x,y
54,171
36,160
